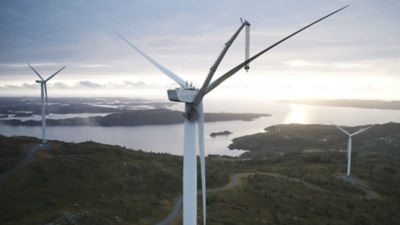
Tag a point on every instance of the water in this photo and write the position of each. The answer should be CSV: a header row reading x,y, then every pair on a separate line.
x,y
169,138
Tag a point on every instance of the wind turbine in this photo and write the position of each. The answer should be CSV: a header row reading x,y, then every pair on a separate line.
x,y
44,99
349,144
192,97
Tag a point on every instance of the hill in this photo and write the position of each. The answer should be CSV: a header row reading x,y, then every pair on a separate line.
x,y
90,183
283,138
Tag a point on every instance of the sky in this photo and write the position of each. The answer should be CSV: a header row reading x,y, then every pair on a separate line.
x,y
354,54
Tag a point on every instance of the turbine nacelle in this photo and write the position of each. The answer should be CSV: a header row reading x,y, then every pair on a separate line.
x,y
245,22
186,95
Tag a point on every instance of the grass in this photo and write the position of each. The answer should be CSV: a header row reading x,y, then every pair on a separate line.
x,y
272,200
104,182
13,151
94,184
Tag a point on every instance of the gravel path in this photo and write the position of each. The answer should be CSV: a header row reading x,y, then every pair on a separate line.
x,y
32,149
357,183
173,215
236,180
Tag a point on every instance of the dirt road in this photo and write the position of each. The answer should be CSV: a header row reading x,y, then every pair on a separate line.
x,y
32,149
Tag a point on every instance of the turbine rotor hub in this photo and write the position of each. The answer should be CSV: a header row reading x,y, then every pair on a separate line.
x,y
191,112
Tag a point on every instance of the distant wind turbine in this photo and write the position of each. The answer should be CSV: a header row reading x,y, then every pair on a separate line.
x,y
349,144
44,99
192,97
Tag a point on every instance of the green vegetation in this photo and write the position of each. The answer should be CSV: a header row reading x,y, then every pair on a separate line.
x,y
91,183
13,151
285,138
265,199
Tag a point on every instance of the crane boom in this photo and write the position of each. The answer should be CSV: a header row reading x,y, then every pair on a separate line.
x,y
247,48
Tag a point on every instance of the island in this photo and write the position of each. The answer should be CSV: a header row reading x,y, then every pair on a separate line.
x,y
117,112
222,133
12,105
135,118
23,114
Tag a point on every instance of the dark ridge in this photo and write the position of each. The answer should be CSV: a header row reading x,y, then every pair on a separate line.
x,y
136,118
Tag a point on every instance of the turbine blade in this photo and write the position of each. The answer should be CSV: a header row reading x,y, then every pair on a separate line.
x,y
200,126
45,95
362,130
246,62
341,129
167,72
214,68
55,73
34,70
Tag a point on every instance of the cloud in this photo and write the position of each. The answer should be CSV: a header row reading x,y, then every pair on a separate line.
x,y
98,65
10,86
88,84
138,84
130,84
299,63
127,84
60,85
29,86
12,65
19,86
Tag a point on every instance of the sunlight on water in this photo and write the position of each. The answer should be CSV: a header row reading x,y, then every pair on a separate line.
x,y
297,114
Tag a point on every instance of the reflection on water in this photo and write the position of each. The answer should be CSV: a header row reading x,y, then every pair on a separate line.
x,y
297,114
169,138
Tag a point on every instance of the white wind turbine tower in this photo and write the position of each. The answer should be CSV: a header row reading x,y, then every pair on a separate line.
x,y
44,99
349,144
192,97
